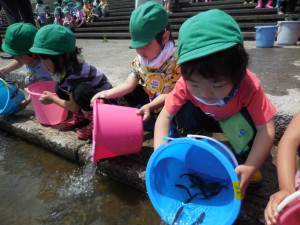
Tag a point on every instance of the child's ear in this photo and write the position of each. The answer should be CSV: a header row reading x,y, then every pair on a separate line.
x,y
166,37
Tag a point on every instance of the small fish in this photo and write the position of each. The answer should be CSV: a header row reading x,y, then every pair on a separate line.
x,y
200,219
185,188
177,215
181,208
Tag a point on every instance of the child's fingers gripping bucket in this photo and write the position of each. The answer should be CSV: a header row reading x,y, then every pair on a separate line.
x,y
11,95
265,36
50,114
191,181
288,32
118,130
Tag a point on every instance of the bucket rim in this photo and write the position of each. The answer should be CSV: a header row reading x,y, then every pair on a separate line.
x,y
35,84
236,202
266,26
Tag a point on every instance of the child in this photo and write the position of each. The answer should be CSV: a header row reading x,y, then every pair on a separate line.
x,y
217,93
104,7
41,12
77,82
68,20
154,70
18,40
57,18
80,15
86,8
95,14
286,168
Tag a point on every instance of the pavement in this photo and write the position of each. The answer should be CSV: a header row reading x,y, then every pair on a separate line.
x,y
277,68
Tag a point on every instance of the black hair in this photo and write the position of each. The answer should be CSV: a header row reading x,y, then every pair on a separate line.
x,y
229,64
64,61
159,36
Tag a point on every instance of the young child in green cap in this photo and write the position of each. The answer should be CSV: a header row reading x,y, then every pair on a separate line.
x,y
17,42
77,82
217,93
154,70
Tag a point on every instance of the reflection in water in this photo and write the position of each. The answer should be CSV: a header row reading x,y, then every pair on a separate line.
x,y
39,187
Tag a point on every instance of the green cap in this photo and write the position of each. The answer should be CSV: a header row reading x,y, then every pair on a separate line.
x,y
207,33
56,4
19,38
66,11
146,22
56,11
78,4
53,40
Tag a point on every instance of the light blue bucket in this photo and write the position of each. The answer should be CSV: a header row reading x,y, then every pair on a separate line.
x,y
170,181
265,36
11,95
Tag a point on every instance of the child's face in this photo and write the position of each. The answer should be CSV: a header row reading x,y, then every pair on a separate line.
x,y
25,59
150,51
207,90
48,64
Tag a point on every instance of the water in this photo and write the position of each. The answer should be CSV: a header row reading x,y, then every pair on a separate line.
x,y
40,187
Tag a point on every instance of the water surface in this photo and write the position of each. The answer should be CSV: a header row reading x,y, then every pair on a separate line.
x,y
40,187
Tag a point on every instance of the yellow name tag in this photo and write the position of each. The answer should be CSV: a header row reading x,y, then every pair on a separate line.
x,y
237,190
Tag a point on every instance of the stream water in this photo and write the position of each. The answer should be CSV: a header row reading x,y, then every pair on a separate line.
x,y
40,187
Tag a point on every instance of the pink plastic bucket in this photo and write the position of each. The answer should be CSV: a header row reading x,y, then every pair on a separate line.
x,y
289,210
51,114
117,131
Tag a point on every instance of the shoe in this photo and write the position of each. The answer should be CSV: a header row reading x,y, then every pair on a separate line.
x,y
256,179
77,120
87,131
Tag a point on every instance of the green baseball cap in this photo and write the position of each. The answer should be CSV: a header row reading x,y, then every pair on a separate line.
x,y
55,4
19,38
78,4
66,11
54,40
207,33
146,22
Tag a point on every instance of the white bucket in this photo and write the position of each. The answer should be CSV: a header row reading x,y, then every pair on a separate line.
x,y
288,32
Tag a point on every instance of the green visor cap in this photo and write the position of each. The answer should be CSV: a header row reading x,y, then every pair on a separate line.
x,y
207,33
146,22
53,40
78,4
19,38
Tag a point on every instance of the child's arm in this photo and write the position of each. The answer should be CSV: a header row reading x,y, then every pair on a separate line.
x,y
13,65
157,103
286,168
162,127
48,98
118,91
259,152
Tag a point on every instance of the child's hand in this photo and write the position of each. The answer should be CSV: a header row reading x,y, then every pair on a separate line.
x,y
145,111
99,95
271,213
47,98
24,103
244,173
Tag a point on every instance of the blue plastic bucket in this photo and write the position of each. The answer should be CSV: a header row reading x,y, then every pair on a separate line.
x,y
265,36
170,175
11,95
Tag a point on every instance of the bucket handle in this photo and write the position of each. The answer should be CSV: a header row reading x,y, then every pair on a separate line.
x,y
288,200
15,93
216,142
